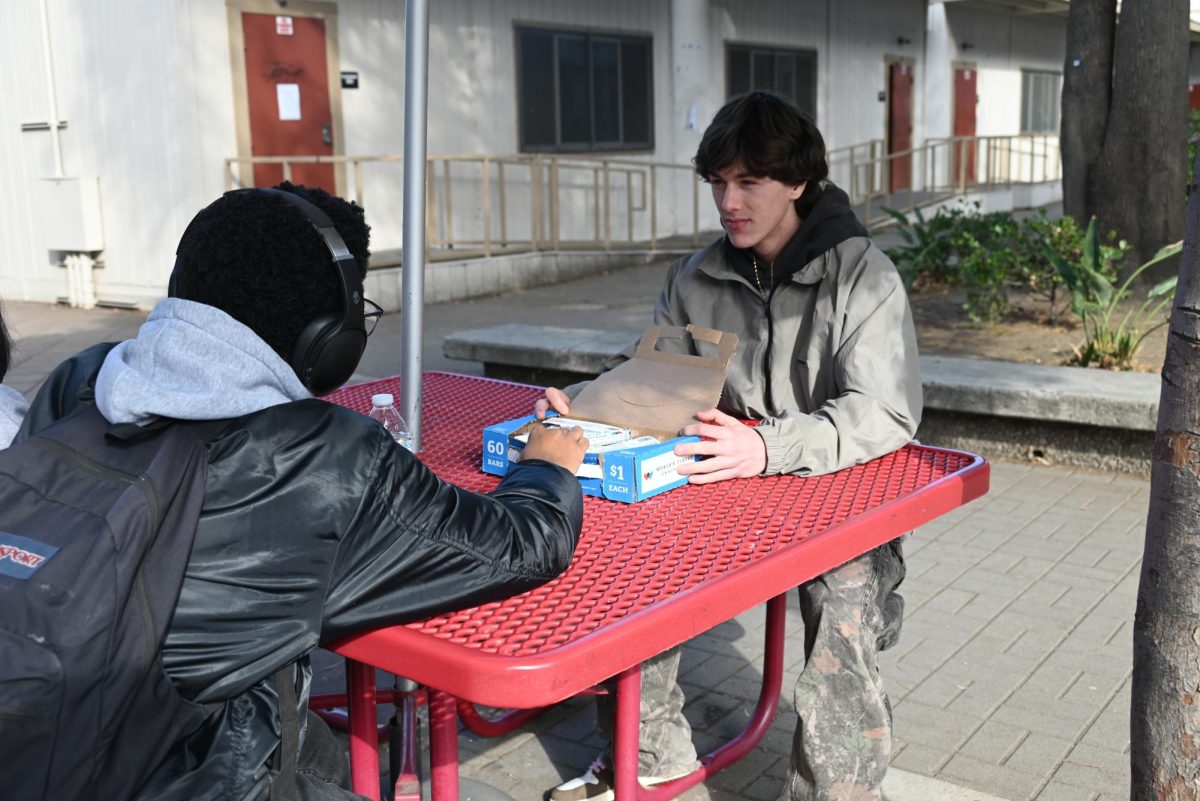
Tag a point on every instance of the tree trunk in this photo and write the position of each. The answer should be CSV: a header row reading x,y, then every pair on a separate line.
x,y
1138,186
1086,94
1165,712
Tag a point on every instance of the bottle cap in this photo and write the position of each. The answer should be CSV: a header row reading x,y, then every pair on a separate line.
x,y
382,399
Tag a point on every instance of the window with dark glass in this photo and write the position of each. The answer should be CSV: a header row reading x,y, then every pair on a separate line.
x,y
579,91
1040,101
789,73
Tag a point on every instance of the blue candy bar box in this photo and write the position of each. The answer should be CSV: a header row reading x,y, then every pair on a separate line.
x,y
674,373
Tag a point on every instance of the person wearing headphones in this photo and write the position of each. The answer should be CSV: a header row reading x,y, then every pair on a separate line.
x,y
12,403
315,523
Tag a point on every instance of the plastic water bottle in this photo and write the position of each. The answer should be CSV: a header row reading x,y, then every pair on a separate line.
x,y
383,410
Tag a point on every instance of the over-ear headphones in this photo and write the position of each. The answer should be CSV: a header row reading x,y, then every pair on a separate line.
x,y
331,345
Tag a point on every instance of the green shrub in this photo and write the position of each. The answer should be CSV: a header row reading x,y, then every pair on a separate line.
x,y
1111,339
989,255
1042,237
986,271
927,254
959,246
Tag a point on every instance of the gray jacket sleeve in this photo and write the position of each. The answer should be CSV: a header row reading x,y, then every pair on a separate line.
x,y
877,375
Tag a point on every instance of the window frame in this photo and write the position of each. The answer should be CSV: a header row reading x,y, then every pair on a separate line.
x,y
1024,123
800,54
589,35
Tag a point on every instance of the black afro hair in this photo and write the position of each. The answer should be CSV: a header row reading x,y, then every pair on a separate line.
x,y
5,349
257,258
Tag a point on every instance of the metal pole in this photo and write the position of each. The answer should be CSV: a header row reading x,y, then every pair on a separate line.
x,y
416,85
487,207
853,176
55,144
503,207
607,217
653,207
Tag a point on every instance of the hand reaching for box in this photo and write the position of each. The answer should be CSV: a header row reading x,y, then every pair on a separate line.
x,y
562,446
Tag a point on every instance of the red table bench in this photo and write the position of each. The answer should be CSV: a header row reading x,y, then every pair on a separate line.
x,y
645,577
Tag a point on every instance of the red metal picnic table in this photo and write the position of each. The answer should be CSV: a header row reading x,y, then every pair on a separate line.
x,y
645,577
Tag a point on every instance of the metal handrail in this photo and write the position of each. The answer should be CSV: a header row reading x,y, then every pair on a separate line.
x,y
612,185
602,203
945,167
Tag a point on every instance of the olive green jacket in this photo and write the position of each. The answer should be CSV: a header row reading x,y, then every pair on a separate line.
x,y
828,364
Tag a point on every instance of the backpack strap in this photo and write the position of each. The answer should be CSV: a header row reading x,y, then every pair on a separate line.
x,y
283,786
204,429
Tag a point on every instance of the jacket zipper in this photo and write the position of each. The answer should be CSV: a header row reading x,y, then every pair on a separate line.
x,y
147,488
767,394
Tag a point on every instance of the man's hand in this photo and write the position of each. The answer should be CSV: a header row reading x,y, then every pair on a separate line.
x,y
735,450
555,399
562,446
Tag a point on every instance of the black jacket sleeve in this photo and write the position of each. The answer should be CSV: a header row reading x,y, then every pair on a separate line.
x,y
419,546
316,524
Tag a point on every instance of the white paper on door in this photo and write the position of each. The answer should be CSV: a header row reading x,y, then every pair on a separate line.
x,y
288,96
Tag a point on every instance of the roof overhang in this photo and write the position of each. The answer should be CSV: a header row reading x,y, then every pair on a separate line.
x,y
1059,8
1055,7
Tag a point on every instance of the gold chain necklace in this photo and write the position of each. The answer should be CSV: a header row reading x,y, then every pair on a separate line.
x,y
757,282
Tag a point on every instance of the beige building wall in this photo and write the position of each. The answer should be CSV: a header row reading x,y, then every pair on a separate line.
x,y
1001,43
148,93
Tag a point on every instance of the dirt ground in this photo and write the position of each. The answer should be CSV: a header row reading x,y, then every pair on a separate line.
x,y
1025,335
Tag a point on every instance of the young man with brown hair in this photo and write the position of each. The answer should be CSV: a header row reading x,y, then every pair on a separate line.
x,y
827,363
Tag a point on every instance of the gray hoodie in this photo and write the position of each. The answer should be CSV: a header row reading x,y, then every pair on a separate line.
x,y
192,362
12,411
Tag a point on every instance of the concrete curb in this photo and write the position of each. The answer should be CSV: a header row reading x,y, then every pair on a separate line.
x,y
1079,395
901,785
1072,395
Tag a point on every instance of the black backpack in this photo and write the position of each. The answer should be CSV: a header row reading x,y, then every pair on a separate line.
x,y
96,525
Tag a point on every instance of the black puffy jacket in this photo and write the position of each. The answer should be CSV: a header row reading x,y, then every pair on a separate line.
x,y
317,525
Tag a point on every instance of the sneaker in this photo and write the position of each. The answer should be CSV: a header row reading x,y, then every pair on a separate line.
x,y
596,784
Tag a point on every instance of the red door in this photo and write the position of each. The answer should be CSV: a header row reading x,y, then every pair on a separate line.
x,y
965,98
288,91
1194,95
900,111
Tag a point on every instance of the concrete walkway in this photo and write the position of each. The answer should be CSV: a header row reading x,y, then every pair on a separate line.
x,y
1011,680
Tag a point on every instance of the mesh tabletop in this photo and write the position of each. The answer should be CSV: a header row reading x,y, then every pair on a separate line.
x,y
697,554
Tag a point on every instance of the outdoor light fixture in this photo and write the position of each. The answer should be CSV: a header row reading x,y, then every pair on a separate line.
x,y
903,41
966,46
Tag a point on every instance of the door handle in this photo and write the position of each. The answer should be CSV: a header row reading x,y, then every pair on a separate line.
x,y
327,133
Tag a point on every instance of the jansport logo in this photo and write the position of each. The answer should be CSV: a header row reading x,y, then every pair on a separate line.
x,y
21,557
15,554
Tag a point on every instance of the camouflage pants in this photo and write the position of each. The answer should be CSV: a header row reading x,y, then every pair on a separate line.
x,y
843,736
664,735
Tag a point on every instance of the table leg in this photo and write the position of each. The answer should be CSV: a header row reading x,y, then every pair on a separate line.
x,y
756,727
768,695
364,737
407,785
443,746
626,731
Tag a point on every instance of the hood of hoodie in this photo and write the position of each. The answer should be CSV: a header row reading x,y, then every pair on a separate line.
x,y
190,361
12,411
830,221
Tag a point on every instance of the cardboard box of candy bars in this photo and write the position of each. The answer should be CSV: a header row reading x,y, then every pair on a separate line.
x,y
648,399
